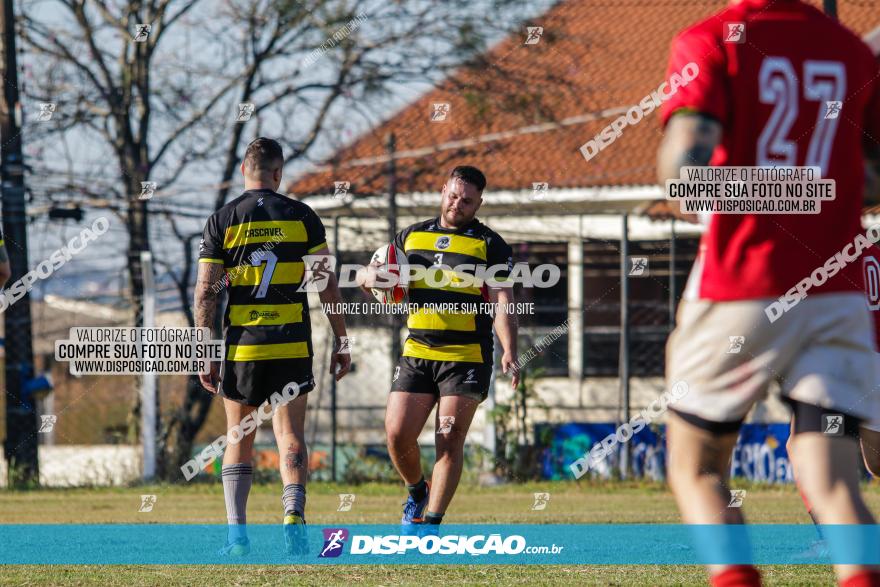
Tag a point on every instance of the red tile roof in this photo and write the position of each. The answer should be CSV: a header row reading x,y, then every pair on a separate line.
x,y
594,56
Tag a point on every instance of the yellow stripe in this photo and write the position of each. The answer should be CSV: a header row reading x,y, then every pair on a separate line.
x,y
206,260
442,275
266,352
281,231
265,314
464,245
2,242
317,247
250,275
426,319
465,353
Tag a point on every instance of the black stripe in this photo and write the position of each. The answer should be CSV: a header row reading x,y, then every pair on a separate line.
x,y
425,257
255,335
245,295
285,251
236,469
439,296
711,426
434,338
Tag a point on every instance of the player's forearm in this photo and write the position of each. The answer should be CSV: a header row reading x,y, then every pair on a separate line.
x,y
673,157
689,141
206,294
331,298
506,328
506,325
205,306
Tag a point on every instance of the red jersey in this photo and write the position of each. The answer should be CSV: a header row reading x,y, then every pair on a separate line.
x,y
770,91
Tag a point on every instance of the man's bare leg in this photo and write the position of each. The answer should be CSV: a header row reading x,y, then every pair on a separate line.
x,y
818,549
405,418
699,471
237,473
870,440
828,474
289,423
450,452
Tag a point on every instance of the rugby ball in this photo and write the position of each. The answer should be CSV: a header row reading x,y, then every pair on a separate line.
x,y
387,259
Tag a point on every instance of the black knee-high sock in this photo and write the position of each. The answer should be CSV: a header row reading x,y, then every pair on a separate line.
x,y
433,518
419,490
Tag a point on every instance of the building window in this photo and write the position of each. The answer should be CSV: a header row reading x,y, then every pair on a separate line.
x,y
550,309
649,313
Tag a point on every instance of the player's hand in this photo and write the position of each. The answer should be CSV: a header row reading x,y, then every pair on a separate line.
x,y
209,380
366,276
508,367
340,363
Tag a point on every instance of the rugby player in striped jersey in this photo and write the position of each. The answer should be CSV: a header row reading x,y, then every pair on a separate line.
x,y
255,247
447,358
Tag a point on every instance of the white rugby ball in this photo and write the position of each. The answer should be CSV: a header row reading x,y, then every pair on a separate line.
x,y
387,260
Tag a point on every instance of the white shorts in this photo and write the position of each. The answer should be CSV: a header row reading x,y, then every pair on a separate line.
x,y
821,352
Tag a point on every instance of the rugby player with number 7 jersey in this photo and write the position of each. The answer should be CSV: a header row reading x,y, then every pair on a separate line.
x,y
255,246
792,87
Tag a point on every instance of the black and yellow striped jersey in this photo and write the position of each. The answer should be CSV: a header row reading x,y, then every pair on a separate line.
x,y
451,336
260,239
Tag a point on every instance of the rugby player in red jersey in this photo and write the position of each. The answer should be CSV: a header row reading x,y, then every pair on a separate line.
x,y
764,96
869,433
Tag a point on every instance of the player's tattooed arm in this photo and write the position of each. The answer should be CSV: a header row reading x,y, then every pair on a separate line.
x,y
689,140
5,270
208,287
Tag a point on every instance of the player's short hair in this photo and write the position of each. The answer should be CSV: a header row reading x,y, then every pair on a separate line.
x,y
470,174
263,155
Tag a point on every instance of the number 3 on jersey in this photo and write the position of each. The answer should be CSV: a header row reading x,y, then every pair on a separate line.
x,y
823,82
270,259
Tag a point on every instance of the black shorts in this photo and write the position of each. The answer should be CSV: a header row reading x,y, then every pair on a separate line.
x,y
442,378
253,382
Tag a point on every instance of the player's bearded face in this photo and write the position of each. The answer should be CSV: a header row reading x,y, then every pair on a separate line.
x,y
460,203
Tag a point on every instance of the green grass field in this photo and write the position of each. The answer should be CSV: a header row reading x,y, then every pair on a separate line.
x,y
569,503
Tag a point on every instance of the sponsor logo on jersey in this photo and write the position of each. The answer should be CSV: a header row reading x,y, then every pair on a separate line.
x,y
270,314
443,243
255,232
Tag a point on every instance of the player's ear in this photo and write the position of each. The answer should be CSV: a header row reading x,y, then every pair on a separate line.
x,y
276,176
241,167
